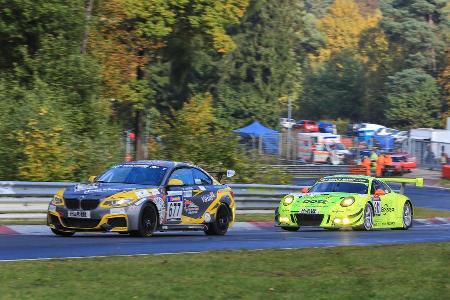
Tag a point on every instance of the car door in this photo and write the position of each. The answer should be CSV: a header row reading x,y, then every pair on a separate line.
x,y
388,208
383,205
204,195
179,196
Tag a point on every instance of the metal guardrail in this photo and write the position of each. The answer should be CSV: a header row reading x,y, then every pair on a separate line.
x,y
29,200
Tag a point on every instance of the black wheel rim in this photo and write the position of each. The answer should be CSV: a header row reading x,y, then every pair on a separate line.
x,y
148,222
223,219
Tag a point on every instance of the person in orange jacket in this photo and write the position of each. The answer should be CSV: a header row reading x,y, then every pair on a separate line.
x,y
366,163
380,165
387,160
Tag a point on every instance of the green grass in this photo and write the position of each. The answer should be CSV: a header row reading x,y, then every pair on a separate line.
x,y
444,182
23,222
418,271
423,213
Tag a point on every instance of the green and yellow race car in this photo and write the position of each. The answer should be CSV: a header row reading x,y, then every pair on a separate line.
x,y
348,201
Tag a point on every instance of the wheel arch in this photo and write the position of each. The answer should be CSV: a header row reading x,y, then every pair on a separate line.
x,y
151,203
410,205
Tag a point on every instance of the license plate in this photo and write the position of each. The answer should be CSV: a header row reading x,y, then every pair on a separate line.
x,y
309,211
79,214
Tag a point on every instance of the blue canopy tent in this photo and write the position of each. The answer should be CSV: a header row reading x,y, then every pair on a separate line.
x,y
267,138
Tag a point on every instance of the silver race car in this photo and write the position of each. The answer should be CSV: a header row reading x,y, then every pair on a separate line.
x,y
142,197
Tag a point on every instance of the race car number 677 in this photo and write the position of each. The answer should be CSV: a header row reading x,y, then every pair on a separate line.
x,y
174,210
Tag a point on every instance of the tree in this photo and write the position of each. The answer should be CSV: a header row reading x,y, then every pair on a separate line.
x,y
413,100
258,76
342,26
335,90
415,29
140,29
24,24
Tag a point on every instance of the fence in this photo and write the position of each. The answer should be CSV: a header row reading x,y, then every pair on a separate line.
x,y
29,200
428,154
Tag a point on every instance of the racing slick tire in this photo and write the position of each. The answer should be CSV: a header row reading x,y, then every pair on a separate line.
x,y
62,233
221,222
148,221
368,219
407,217
290,228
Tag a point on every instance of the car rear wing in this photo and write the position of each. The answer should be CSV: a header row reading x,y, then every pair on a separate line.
x,y
404,181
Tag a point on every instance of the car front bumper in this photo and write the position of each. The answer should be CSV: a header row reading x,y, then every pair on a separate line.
x,y
101,219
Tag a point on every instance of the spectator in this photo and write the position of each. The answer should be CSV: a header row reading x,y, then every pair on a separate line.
x,y
366,163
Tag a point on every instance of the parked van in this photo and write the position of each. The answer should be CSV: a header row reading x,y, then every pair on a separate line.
x,y
321,148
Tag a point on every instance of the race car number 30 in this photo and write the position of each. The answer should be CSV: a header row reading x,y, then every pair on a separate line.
x,y
174,207
377,206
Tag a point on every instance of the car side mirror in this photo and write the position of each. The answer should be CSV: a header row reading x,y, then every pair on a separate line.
x,y
304,190
175,182
230,173
91,179
379,193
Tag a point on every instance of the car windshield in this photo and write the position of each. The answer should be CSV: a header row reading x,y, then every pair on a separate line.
x,y
134,174
398,158
339,187
339,146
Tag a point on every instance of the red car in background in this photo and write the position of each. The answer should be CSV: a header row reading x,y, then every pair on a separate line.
x,y
306,126
403,163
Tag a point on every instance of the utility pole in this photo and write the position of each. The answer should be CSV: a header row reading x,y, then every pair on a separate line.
x,y
288,144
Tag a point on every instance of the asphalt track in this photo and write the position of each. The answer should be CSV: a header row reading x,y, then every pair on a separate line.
x,y
18,247
46,246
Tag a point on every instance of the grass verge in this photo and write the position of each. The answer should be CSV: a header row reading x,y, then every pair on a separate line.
x,y
379,272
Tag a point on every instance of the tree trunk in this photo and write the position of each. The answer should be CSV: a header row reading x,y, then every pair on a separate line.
x,y
140,128
88,14
140,140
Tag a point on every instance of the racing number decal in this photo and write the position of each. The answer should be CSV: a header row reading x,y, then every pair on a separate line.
x,y
377,205
174,207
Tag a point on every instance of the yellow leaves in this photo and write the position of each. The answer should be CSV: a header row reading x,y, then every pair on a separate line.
x,y
46,155
343,26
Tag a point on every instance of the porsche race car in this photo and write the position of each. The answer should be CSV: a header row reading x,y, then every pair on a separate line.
x,y
142,197
348,201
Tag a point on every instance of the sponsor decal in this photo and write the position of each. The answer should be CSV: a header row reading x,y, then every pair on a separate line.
x,y
345,179
315,201
139,202
187,193
142,193
208,197
174,198
119,210
386,209
159,202
201,187
175,193
190,207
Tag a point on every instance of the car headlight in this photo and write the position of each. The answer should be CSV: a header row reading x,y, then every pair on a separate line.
x,y
57,200
288,200
347,201
118,202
